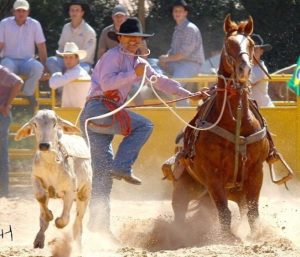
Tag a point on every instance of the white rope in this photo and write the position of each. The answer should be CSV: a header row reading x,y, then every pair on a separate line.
x,y
151,80
141,55
116,110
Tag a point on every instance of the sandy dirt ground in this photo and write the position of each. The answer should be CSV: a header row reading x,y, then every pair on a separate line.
x,y
144,228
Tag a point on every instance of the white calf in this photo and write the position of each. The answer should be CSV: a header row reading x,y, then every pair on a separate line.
x,y
61,169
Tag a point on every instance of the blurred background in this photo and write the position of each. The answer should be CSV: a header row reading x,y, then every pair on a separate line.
x,y
277,21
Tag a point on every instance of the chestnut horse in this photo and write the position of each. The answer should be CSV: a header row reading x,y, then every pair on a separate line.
x,y
228,159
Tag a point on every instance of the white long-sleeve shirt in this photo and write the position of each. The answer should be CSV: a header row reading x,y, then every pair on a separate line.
x,y
74,92
259,90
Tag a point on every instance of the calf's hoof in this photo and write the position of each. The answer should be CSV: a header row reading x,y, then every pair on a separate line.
x,y
39,241
49,215
61,222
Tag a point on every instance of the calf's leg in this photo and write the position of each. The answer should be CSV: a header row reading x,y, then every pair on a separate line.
x,y
83,197
45,214
63,220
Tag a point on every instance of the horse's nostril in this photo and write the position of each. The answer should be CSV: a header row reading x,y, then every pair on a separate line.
x,y
44,146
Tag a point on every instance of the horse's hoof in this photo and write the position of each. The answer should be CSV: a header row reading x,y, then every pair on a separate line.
x,y
61,223
230,238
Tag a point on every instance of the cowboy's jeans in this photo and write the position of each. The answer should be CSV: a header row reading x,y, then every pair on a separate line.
x,y
56,64
4,161
103,159
30,68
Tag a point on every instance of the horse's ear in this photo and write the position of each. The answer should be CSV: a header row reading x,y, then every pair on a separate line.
x,y
227,23
249,26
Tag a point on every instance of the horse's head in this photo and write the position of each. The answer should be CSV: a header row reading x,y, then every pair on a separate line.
x,y
237,50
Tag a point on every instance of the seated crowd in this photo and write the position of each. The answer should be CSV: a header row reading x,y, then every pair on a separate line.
x,y
21,34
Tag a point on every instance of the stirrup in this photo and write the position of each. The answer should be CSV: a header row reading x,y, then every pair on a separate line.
x,y
290,173
273,157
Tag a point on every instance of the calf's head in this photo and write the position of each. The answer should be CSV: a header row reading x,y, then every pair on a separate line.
x,y
47,127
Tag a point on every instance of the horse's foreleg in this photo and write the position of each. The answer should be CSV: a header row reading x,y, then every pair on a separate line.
x,y
181,197
252,196
218,194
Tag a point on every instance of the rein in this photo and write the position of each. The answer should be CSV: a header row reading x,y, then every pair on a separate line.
x,y
204,93
262,68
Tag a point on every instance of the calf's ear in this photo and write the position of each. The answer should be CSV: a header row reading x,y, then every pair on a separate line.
x,y
67,126
25,131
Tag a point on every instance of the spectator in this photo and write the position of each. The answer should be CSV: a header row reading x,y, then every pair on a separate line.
x,y
77,31
119,15
112,79
258,79
18,36
73,93
10,85
211,64
186,55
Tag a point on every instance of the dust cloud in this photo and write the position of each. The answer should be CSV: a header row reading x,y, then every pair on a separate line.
x,y
142,222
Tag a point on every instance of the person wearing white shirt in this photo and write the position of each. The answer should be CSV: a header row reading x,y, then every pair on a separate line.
x,y
73,93
19,35
258,79
211,64
77,31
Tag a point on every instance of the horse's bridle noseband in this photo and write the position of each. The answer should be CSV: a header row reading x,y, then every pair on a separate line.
x,y
231,61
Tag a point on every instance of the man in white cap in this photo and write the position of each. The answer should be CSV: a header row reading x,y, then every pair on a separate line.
x,y
119,15
77,31
74,93
19,35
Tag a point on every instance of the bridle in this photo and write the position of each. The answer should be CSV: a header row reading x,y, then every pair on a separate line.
x,y
231,60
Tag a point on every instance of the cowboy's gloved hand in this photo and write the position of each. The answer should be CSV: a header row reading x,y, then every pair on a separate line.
x,y
139,69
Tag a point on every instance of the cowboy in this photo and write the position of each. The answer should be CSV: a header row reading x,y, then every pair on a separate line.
x,y
112,78
74,93
258,78
77,31
119,15
10,85
19,35
186,54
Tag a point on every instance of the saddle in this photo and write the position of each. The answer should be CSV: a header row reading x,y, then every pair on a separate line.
x,y
186,140
191,135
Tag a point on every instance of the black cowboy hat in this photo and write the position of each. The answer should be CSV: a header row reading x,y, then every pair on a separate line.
x,y
84,5
259,42
131,27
